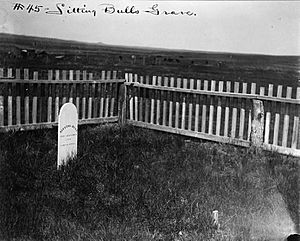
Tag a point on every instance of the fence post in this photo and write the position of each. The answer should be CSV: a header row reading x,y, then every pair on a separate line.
x,y
122,104
1,99
257,126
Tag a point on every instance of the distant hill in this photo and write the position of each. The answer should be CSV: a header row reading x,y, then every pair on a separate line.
x,y
50,53
38,42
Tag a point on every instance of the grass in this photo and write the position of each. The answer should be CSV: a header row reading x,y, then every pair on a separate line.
x,y
135,184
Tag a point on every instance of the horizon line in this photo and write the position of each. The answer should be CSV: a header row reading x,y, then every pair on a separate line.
x,y
154,48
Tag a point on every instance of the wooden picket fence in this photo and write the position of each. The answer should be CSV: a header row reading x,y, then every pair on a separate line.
x,y
27,102
215,110
219,111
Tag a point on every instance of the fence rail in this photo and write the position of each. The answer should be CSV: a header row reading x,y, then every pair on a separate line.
x,y
33,103
215,110
220,94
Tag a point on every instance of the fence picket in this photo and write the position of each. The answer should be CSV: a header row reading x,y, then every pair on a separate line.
x,y
49,102
252,91
14,94
211,108
141,99
77,91
34,99
277,117
262,93
190,100
177,105
171,99
91,91
18,98
107,94
96,99
9,73
56,94
18,74
102,93
130,98
226,120
4,104
296,126
183,115
203,100
286,118
50,74
1,99
219,109
147,104
242,112
9,98
64,87
41,94
165,98
234,111
136,100
197,106
72,86
158,98
113,93
268,115
84,93
152,101
26,74
26,98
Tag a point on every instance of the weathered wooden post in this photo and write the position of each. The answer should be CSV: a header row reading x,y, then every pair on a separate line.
x,y
122,104
257,125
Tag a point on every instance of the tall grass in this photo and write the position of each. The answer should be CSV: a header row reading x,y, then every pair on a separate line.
x,y
136,184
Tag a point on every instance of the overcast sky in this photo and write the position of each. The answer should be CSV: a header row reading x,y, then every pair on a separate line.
x,y
245,27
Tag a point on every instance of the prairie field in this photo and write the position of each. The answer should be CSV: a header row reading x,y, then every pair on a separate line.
x,y
41,54
135,184
128,183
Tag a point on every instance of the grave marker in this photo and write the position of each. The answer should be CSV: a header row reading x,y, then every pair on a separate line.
x,y
67,133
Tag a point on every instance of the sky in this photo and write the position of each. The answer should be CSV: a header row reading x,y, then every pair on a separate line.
x,y
263,27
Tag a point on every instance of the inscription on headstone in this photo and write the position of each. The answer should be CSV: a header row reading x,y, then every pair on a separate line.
x,y
67,133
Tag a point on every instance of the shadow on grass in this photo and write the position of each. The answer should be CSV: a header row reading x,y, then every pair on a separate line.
x,y
285,171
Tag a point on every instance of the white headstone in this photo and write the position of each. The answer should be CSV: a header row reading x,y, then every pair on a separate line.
x,y
67,133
